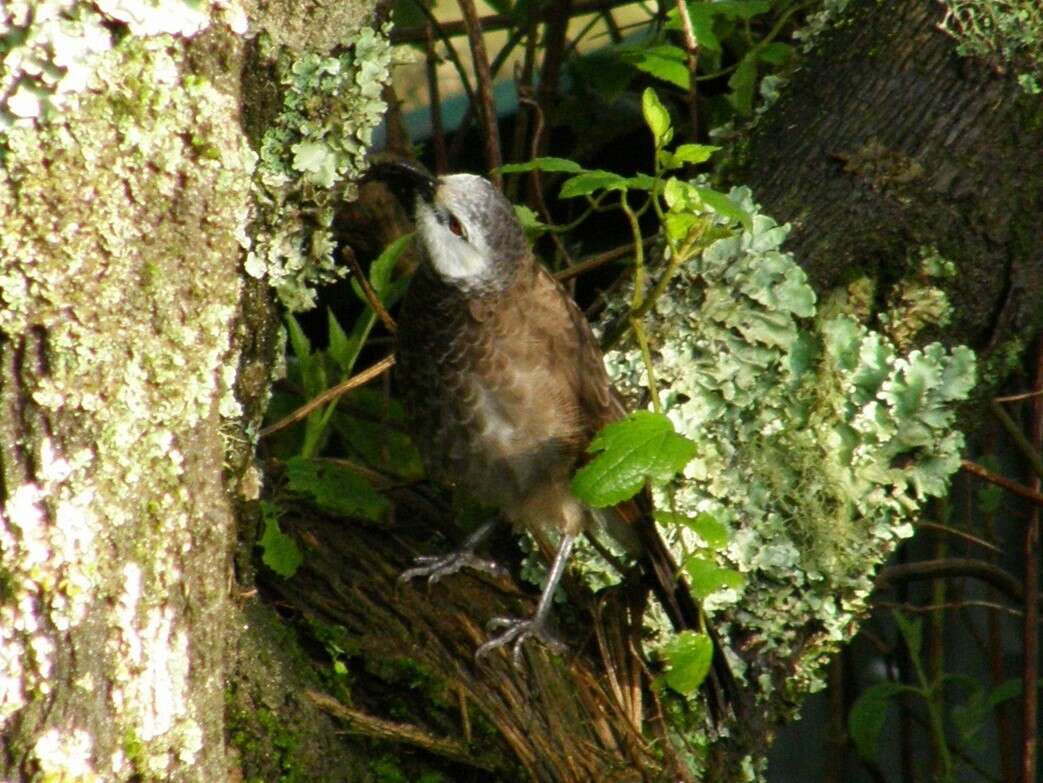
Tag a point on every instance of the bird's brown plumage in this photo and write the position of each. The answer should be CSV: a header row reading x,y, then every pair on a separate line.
x,y
505,389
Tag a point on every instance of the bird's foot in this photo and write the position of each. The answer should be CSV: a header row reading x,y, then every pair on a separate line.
x,y
434,567
517,631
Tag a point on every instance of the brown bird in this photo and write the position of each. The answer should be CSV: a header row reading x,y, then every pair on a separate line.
x,y
504,385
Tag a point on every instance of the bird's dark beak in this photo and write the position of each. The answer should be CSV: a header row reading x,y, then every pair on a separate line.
x,y
407,179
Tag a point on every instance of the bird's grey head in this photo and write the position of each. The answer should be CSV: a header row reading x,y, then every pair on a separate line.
x,y
471,236
472,239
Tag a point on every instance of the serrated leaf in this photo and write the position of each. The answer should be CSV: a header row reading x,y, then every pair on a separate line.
x,y
669,63
688,657
278,551
642,447
656,116
543,164
335,488
725,207
590,181
687,153
640,182
867,716
530,223
705,577
679,224
713,532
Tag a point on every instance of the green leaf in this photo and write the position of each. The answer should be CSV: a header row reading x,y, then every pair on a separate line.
x,y
687,153
679,224
969,718
775,53
543,164
666,62
335,488
705,577
640,182
531,225
867,716
311,374
912,632
299,342
688,657
656,116
642,447
382,270
725,207
340,349
589,181
714,533
279,552
742,82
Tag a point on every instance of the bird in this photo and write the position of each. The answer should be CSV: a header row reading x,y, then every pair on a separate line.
x,y
504,386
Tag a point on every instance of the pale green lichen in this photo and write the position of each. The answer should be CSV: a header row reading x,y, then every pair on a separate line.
x,y
63,757
90,258
818,441
49,49
1006,33
310,156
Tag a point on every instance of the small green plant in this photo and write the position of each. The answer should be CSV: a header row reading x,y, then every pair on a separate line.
x,y
869,713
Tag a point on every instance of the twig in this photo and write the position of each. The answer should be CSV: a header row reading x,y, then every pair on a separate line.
x,y
343,387
405,733
491,132
599,260
959,534
435,101
1028,449
554,40
371,296
450,50
523,84
691,48
953,567
1017,397
1002,481
923,609
1030,674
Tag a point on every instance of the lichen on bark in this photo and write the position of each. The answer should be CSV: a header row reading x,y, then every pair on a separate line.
x,y
121,217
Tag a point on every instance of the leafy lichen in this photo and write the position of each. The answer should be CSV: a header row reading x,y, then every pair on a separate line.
x,y
1006,33
310,156
818,439
49,48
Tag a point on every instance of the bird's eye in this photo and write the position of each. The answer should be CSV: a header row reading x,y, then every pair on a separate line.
x,y
457,227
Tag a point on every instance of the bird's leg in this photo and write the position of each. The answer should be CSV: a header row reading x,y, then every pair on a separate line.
x,y
434,567
517,629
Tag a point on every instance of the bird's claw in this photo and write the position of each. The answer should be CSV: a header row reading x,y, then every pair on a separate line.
x,y
517,632
434,567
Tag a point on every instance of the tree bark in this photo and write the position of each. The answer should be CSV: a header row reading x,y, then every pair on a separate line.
x,y
887,140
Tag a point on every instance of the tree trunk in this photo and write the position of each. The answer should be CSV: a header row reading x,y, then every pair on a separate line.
x,y
125,187
887,140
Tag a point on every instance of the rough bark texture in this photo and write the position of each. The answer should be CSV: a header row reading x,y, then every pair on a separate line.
x,y
887,140
120,284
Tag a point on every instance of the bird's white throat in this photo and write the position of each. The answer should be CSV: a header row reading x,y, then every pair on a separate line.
x,y
456,259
